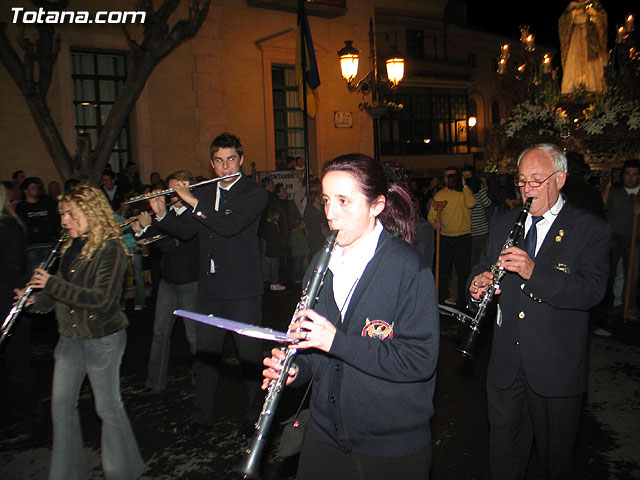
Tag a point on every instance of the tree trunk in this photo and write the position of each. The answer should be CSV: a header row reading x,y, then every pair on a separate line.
x,y
50,135
127,98
159,40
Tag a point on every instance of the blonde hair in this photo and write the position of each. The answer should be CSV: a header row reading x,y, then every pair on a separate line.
x,y
102,221
5,206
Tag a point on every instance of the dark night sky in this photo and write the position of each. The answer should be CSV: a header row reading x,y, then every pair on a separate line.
x,y
504,17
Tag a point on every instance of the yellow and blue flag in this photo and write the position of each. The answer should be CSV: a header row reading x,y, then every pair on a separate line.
x,y
307,64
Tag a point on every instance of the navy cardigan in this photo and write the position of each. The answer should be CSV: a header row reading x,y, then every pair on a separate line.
x,y
373,392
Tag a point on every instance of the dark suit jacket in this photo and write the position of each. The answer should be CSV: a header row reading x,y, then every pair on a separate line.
x,y
180,259
127,184
118,197
424,239
548,314
229,237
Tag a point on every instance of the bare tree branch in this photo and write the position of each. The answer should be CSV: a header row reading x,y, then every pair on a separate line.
x,y
133,45
10,59
158,43
22,73
45,56
166,10
33,73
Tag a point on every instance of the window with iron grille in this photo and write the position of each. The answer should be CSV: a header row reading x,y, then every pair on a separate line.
x,y
433,121
97,79
288,118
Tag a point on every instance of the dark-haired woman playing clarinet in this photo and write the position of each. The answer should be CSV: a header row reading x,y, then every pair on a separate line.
x,y
371,342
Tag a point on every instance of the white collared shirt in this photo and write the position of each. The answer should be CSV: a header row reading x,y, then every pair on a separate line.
x,y
348,268
544,225
110,193
177,210
542,228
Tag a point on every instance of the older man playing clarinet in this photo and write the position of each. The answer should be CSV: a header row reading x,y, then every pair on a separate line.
x,y
538,368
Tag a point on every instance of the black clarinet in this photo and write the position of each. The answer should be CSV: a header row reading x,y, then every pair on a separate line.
x,y
17,308
249,467
467,348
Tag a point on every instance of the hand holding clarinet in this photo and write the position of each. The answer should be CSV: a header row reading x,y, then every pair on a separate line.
x,y
512,259
313,331
38,281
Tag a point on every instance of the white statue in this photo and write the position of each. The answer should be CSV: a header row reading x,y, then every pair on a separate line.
x,y
583,44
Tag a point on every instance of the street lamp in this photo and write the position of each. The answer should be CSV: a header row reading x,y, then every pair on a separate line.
x,y
349,59
349,56
395,70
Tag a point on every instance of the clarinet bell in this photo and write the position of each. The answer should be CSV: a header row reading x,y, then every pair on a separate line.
x,y
249,466
468,347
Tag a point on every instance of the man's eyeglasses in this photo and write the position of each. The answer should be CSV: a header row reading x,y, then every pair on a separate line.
x,y
532,183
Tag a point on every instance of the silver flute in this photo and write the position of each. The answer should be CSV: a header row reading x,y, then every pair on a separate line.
x,y
17,308
169,191
467,348
249,467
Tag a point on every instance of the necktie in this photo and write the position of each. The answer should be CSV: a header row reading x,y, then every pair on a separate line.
x,y
531,239
223,193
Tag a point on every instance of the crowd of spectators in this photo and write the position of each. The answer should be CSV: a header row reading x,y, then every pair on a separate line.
x,y
300,225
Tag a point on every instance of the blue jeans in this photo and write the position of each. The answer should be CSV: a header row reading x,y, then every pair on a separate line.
x,y
170,297
270,267
100,359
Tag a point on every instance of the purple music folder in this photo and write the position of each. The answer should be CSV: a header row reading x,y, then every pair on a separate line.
x,y
238,327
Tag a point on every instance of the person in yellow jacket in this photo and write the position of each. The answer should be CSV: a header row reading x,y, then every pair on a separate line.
x,y
455,233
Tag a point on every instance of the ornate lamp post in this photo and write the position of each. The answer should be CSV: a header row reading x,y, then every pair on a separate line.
x,y
349,57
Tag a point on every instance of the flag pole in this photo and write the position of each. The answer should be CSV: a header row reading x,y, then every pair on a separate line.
x,y
303,51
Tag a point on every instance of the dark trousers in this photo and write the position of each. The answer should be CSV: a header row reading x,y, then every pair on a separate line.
x,y
456,251
517,417
25,395
621,249
209,344
320,461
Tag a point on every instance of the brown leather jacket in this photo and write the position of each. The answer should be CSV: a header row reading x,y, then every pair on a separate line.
x,y
88,305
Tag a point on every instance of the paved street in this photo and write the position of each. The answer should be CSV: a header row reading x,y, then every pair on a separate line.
x,y
607,446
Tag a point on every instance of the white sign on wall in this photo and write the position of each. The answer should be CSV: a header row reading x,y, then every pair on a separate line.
x,y
342,119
